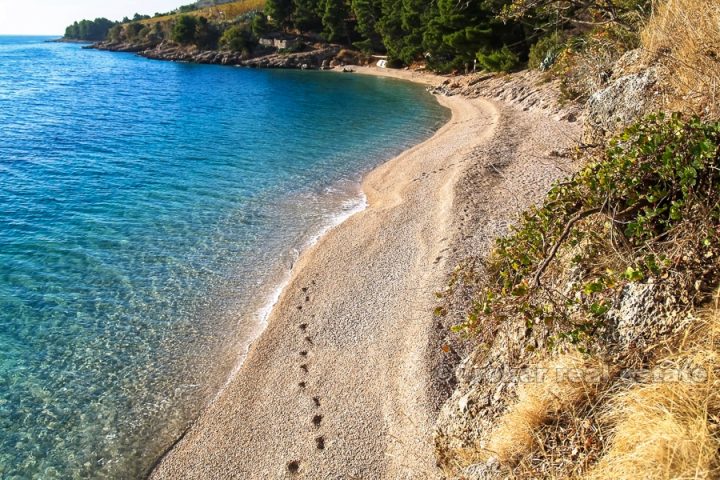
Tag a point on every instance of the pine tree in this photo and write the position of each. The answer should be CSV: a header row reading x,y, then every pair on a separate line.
x,y
402,27
461,32
305,15
279,11
334,21
367,13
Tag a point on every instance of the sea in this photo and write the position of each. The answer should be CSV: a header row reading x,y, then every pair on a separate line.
x,y
150,214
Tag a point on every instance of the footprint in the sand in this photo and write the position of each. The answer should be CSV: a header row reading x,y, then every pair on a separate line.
x,y
317,420
293,467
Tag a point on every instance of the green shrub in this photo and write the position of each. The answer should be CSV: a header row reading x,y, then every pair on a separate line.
x,y
206,34
648,208
237,38
545,52
184,30
503,60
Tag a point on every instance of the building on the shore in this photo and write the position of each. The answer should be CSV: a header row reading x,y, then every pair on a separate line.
x,y
279,41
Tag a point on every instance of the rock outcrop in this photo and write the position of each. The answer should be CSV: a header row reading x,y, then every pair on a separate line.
x,y
528,91
632,91
315,58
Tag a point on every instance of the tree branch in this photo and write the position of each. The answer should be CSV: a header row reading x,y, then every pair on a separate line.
x,y
566,232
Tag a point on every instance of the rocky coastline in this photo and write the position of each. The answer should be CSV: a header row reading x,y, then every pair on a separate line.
x,y
320,56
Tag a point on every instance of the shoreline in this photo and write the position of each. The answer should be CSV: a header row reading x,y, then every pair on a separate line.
x,y
264,313
196,454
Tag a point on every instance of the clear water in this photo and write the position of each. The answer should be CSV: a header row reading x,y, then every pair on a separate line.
x,y
148,211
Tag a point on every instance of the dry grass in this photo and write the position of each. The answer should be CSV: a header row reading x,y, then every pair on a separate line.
x,y
224,12
567,383
685,36
669,429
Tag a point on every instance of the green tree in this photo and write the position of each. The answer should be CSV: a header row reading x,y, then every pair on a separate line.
x,y
305,15
184,30
279,12
237,38
367,13
402,27
334,19
460,33
91,30
260,24
206,34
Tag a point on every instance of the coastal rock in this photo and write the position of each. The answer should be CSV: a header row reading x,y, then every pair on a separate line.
x,y
625,101
485,382
263,58
646,312
528,91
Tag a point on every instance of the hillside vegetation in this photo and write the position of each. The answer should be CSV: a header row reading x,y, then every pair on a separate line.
x,y
494,35
609,288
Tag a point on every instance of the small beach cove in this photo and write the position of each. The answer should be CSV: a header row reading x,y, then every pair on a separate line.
x,y
350,374
341,382
150,212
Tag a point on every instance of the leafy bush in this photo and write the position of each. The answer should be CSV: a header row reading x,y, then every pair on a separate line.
x,y
545,52
503,60
649,208
184,30
206,34
237,38
260,25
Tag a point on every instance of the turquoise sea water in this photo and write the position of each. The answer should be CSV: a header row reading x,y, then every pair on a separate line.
x,y
148,212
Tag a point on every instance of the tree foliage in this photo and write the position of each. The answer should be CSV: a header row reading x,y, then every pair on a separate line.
x,y
306,17
184,30
91,30
238,38
449,35
279,11
334,17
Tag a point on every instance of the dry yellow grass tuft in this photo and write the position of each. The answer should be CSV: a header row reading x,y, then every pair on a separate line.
x,y
685,36
669,429
565,383
227,11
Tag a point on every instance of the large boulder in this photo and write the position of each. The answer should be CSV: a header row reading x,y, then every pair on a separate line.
x,y
626,100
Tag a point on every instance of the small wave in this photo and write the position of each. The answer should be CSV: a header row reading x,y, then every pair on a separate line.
x,y
350,207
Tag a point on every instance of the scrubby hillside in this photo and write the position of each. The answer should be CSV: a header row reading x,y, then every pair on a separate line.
x,y
592,325
445,36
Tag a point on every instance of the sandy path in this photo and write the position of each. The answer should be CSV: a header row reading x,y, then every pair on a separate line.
x,y
340,385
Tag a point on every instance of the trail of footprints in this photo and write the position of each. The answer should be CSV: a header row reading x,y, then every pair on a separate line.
x,y
293,467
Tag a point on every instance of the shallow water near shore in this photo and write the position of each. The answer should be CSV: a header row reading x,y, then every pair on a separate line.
x,y
148,212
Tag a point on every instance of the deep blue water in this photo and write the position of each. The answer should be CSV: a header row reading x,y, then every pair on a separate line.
x,y
148,211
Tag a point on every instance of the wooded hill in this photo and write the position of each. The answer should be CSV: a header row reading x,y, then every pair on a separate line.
x,y
496,35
